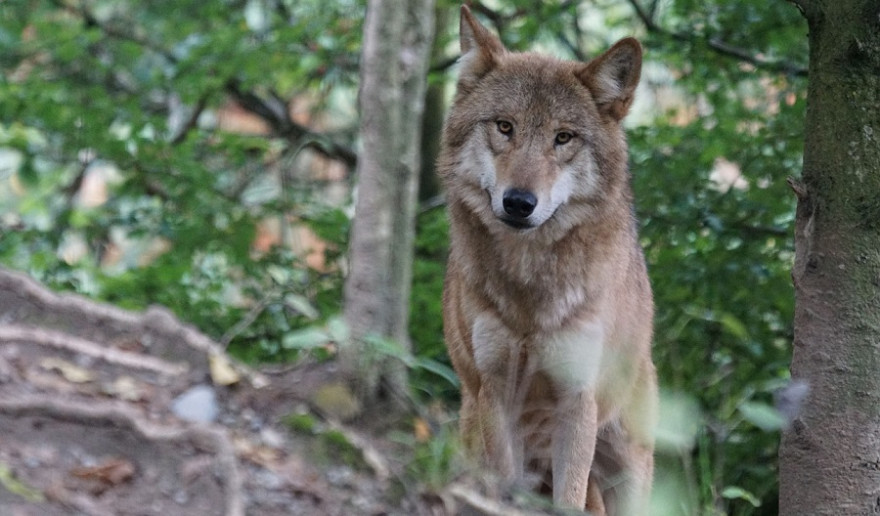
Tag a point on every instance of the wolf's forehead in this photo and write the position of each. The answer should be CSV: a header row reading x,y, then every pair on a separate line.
x,y
541,87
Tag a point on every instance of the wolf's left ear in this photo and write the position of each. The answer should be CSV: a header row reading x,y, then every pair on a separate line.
x,y
480,48
613,77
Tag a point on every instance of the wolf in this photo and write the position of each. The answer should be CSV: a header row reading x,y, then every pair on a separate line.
x,y
547,307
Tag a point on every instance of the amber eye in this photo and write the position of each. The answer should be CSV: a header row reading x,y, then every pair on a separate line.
x,y
563,137
504,127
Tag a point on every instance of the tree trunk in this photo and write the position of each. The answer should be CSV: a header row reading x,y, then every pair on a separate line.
x,y
432,121
394,61
830,457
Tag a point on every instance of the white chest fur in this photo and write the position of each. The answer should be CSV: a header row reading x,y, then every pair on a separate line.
x,y
571,356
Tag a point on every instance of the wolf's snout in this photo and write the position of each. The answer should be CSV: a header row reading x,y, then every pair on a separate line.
x,y
519,203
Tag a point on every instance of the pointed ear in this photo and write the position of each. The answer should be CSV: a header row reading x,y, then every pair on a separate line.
x,y
480,48
613,77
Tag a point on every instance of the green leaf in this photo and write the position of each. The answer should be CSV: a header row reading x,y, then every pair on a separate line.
x,y
761,415
338,329
680,420
385,347
734,493
15,486
734,325
439,369
308,338
302,305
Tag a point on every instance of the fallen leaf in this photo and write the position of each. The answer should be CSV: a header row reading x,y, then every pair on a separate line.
x,y
256,453
15,486
125,388
72,373
222,371
111,472
422,430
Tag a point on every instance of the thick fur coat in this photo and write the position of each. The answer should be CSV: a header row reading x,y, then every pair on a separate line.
x,y
547,305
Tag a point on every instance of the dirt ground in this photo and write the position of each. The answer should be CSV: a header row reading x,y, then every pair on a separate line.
x,y
109,412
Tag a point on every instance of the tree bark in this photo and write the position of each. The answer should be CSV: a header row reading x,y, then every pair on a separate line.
x,y
830,457
394,61
432,121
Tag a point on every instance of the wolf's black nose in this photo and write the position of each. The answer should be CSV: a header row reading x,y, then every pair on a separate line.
x,y
519,203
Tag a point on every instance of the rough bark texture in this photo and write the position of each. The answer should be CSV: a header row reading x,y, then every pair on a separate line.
x,y
830,457
397,39
432,121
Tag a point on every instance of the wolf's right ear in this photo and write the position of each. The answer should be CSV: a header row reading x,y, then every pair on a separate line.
x,y
480,48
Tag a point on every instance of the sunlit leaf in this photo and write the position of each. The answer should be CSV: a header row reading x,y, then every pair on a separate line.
x,y
762,415
301,305
308,338
734,492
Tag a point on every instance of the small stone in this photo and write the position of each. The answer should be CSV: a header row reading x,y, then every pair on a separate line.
x,y
271,437
339,476
181,497
198,404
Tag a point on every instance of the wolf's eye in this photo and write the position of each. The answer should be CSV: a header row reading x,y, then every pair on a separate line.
x,y
563,137
504,127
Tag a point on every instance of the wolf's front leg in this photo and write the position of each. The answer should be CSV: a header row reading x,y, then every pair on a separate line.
x,y
497,412
498,439
572,358
635,447
574,443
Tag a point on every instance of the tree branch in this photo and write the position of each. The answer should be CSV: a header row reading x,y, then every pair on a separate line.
x,y
191,121
719,46
273,111
573,46
802,5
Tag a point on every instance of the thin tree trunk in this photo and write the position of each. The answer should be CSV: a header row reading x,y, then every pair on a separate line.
x,y
432,122
397,39
830,457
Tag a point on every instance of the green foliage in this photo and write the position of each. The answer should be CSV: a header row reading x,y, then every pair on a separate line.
x,y
129,93
432,463
304,423
328,444
442,377
426,321
428,374
335,445
719,259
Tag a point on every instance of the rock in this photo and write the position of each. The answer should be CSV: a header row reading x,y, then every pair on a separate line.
x,y
197,404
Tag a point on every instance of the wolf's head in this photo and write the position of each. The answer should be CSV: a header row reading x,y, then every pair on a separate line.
x,y
530,138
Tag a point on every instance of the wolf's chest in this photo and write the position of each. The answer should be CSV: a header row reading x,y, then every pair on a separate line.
x,y
569,358
540,298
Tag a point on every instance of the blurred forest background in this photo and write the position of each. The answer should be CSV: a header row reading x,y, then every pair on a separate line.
x,y
201,155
